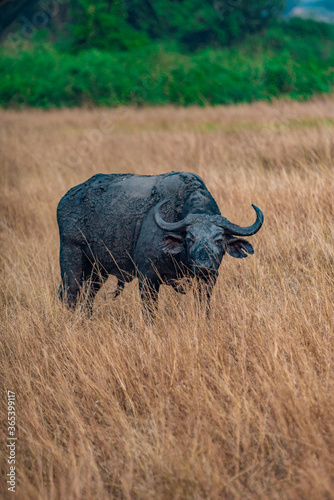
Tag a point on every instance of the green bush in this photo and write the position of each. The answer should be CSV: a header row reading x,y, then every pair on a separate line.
x,y
102,25
278,63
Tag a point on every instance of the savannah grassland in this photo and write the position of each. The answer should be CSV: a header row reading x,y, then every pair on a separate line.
x,y
240,406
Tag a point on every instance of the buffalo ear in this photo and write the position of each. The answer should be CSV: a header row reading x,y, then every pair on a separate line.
x,y
237,247
172,243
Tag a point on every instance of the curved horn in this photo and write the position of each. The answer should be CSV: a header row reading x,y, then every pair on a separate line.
x,y
168,226
242,231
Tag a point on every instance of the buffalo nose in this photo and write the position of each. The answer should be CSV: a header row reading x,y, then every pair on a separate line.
x,y
206,267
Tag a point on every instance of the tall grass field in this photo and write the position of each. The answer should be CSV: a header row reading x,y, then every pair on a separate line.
x,y
237,406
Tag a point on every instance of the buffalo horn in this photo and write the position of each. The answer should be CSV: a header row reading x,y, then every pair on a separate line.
x,y
242,231
169,226
218,220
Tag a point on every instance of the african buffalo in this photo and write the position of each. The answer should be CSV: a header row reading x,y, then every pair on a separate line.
x,y
154,227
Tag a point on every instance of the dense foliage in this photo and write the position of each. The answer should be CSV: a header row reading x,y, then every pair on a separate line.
x,y
124,24
135,52
192,23
294,59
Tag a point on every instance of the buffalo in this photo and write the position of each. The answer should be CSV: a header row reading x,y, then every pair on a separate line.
x,y
158,228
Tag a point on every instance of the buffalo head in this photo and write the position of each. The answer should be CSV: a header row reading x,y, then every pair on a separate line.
x,y
206,238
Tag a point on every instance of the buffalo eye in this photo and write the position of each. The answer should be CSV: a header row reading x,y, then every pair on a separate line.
x,y
219,241
190,240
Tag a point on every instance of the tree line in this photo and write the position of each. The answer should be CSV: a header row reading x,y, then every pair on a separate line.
x,y
138,52
127,24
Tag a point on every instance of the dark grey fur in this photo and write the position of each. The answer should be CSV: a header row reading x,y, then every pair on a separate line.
x,y
108,225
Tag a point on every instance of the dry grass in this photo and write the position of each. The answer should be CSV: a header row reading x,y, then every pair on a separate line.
x,y
237,407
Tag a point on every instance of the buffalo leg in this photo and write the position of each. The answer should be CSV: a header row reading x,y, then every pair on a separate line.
x,y
205,291
72,271
149,295
95,279
119,288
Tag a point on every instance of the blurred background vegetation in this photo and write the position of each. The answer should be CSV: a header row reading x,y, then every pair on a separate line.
x,y
111,52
